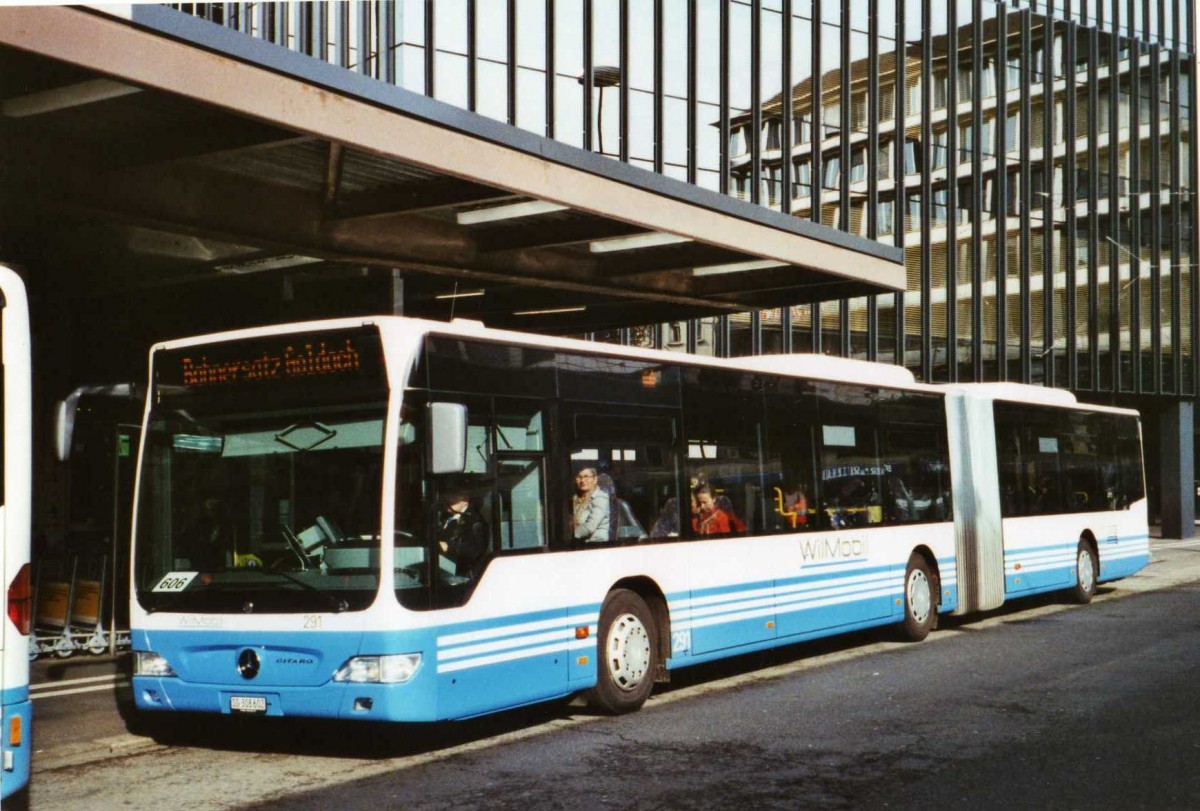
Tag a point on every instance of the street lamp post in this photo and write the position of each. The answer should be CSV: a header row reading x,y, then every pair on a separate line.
x,y
602,76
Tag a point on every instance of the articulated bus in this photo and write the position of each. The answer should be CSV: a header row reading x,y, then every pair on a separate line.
x,y
16,456
404,520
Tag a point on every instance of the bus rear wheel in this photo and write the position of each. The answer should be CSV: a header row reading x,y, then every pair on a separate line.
x,y
920,603
627,654
1085,574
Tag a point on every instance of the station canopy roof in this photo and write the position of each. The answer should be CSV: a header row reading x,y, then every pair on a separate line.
x,y
145,147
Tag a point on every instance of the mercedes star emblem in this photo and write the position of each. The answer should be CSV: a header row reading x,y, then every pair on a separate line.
x,y
247,664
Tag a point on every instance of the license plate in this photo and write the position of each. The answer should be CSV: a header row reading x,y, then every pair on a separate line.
x,y
253,704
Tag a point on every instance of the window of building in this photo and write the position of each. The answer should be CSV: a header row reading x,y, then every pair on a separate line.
x,y
772,134
941,90
802,128
831,173
858,165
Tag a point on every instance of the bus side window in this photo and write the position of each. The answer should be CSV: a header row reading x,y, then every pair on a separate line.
x,y
519,485
632,459
725,430
849,458
914,463
788,458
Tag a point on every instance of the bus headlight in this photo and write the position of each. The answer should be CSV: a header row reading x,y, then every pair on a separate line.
x,y
396,668
147,663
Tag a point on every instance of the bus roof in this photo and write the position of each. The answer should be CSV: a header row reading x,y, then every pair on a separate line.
x,y
826,366
795,365
1017,392
1031,395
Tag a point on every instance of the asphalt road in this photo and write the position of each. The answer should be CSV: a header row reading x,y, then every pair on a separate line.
x,y
1039,705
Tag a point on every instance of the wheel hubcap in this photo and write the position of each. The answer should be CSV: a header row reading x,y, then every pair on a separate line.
x,y
628,652
919,597
1087,573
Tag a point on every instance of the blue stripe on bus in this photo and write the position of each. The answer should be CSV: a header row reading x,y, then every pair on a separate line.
x,y
869,575
490,623
1051,567
1072,545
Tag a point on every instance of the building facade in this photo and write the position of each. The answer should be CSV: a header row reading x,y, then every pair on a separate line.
x,y
1033,160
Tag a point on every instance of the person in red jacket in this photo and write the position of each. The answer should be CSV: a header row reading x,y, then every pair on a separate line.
x,y
708,518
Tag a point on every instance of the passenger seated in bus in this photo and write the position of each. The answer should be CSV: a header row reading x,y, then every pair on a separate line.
x,y
623,525
791,505
899,504
856,499
725,504
590,508
1046,498
461,532
707,517
667,523
698,479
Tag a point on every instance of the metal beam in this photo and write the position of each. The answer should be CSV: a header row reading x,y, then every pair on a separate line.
x,y
549,235
417,199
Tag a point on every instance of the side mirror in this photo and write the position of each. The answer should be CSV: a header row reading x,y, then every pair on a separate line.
x,y
447,437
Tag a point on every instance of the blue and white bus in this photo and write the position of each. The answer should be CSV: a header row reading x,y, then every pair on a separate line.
x,y
15,422
388,518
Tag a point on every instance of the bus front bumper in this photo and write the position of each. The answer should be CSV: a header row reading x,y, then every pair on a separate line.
x,y
414,701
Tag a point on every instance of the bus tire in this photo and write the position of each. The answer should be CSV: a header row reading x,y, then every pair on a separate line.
x,y
627,654
920,599
1086,574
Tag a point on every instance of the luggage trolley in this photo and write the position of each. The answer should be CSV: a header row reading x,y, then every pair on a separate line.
x,y
70,603
53,594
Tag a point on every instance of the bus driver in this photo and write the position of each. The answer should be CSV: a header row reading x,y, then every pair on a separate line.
x,y
462,535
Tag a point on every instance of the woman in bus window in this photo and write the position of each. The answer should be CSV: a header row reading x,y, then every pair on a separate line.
x,y
708,518
590,508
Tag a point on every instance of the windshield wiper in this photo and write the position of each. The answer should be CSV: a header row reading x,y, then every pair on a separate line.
x,y
338,604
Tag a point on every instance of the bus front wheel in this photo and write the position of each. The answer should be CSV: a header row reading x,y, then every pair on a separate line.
x,y
627,654
1085,574
920,599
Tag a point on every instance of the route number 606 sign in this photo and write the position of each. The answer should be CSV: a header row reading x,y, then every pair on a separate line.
x,y
175,581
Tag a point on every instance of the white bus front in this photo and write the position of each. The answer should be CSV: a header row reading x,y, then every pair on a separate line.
x,y
257,551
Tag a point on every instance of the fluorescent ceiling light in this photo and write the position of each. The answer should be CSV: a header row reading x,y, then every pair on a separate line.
x,y
509,212
552,312
266,263
737,267
63,98
464,294
631,243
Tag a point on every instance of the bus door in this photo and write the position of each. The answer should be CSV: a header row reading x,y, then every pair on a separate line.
x,y
476,520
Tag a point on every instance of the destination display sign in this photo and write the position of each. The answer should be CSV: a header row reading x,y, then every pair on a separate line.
x,y
308,357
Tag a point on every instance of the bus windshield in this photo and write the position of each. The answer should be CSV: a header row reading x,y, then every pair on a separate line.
x,y
260,500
